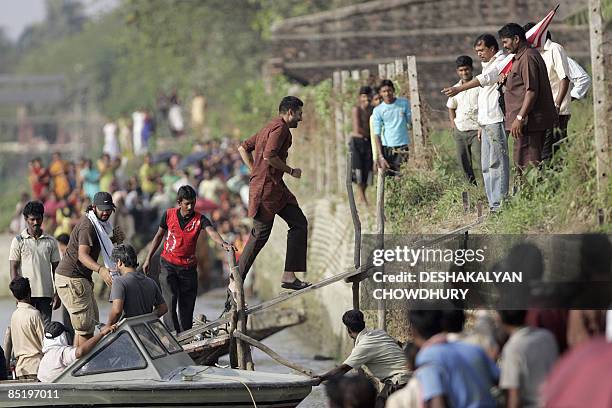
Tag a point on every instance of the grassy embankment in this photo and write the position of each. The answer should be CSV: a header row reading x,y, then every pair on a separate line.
x,y
559,198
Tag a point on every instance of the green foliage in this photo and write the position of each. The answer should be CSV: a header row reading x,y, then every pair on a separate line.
x,y
581,17
561,197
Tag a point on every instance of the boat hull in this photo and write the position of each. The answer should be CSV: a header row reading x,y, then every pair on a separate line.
x,y
35,394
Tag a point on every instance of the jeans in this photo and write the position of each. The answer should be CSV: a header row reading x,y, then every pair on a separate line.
x,y
495,163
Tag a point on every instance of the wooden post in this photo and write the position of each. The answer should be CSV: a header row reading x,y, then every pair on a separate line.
x,y
382,71
365,75
346,125
356,226
465,197
239,320
415,106
399,67
391,70
600,99
380,230
355,75
339,125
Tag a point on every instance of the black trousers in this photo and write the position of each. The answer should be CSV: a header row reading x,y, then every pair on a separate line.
x,y
182,284
553,136
297,240
43,305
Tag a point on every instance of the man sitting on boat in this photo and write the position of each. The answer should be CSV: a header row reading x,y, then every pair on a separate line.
x,y
378,352
133,293
58,354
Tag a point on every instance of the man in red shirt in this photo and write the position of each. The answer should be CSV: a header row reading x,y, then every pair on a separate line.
x,y
178,261
265,154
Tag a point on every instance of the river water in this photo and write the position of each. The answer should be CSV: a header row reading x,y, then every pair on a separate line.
x,y
288,343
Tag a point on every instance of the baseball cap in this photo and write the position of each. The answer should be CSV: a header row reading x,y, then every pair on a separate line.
x,y
103,201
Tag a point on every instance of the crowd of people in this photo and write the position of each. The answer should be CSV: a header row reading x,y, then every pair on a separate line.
x,y
532,105
508,358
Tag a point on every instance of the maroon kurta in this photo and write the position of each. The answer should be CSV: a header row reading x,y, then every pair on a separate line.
x,y
268,193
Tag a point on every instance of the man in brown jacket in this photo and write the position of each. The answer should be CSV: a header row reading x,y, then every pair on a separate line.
x,y
530,108
265,154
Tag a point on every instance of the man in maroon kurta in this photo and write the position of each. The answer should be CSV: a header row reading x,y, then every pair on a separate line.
x,y
530,107
265,154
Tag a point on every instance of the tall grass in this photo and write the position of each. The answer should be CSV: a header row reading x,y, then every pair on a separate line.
x,y
560,197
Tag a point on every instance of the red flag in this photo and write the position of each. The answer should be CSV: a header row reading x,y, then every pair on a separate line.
x,y
536,36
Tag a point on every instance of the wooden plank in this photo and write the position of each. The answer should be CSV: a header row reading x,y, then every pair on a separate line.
x,y
415,106
273,354
601,104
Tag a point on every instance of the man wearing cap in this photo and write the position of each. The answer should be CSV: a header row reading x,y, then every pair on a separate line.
x,y
73,281
58,354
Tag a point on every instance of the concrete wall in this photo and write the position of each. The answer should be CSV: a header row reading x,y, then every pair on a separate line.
x,y
330,252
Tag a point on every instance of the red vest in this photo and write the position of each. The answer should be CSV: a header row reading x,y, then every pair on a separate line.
x,y
180,246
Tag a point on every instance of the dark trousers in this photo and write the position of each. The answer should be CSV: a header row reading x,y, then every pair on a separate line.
x,y
395,156
43,305
468,152
528,149
553,136
297,240
182,283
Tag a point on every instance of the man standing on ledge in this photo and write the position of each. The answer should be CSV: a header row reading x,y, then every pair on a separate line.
x,y
530,108
265,154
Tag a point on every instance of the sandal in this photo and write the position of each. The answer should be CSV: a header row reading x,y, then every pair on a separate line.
x,y
295,285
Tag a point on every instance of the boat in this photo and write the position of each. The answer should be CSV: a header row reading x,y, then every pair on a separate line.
x,y
142,364
207,346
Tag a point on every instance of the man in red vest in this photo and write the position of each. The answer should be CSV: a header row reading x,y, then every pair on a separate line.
x,y
178,260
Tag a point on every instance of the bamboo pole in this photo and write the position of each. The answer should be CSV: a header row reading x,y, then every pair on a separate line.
x,y
273,354
346,120
601,104
339,124
356,226
380,230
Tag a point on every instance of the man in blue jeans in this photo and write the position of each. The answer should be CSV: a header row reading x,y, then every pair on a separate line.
x,y
393,115
494,142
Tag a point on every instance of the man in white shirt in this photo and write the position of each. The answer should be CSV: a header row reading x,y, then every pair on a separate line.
x,y
557,66
494,143
378,352
581,81
463,114
59,354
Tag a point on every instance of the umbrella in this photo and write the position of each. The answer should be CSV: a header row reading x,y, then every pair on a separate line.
x,y
536,36
162,157
204,205
582,377
192,159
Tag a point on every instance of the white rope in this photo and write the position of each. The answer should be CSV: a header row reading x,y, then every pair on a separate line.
x,y
227,379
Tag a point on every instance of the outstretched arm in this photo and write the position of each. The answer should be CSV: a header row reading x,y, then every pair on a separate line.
x,y
159,236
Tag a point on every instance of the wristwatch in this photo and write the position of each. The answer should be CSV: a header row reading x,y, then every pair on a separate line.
x,y
519,118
